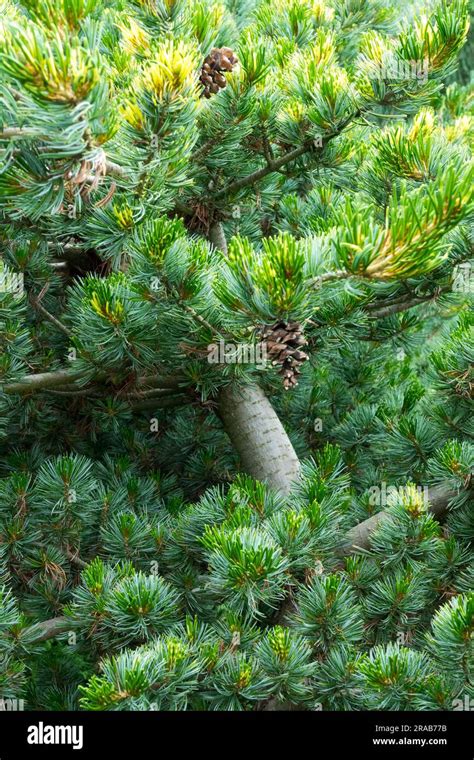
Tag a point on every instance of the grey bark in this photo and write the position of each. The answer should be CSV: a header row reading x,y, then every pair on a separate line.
x,y
47,630
217,237
359,536
43,380
265,451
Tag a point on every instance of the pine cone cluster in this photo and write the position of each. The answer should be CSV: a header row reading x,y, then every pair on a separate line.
x,y
283,342
212,77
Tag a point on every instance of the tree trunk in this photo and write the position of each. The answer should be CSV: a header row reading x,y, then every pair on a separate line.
x,y
265,451
217,237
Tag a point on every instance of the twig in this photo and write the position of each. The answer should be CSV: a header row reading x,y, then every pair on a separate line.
x,y
114,170
396,308
339,274
168,402
273,166
35,302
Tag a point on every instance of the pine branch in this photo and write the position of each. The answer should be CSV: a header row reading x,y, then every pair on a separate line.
x,y
168,402
75,559
274,165
11,132
217,237
339,274
397,308
151,393
49,629
44,380
160,381
271,167
114,170
31,383
35,302
357,538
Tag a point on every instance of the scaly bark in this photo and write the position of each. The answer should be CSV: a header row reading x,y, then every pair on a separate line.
x,y
265,451
217,237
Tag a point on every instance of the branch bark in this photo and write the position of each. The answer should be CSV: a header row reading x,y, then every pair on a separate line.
x,y
31,383
217,237
265,451
167,402
276,164
397,308
49,629
359,536
45,380
271,167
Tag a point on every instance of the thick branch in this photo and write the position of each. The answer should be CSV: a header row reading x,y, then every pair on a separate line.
x,y
49,629
258,436
44,380
31,383
359,536
217,237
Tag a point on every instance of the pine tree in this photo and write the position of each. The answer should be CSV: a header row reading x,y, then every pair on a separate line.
x,y
236,333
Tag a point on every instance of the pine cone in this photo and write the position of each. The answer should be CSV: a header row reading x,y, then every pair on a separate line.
x,y
212,77
283,342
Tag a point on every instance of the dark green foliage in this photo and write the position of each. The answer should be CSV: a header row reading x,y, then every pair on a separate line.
x,y
140,568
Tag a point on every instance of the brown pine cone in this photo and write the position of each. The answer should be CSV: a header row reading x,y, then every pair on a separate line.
x,y
283,342
218,61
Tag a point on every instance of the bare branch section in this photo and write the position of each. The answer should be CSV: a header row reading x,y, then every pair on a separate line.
x,y
49,629
167,402
274,165
46,380
265,451
217,237
31,383
357,538
397,308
